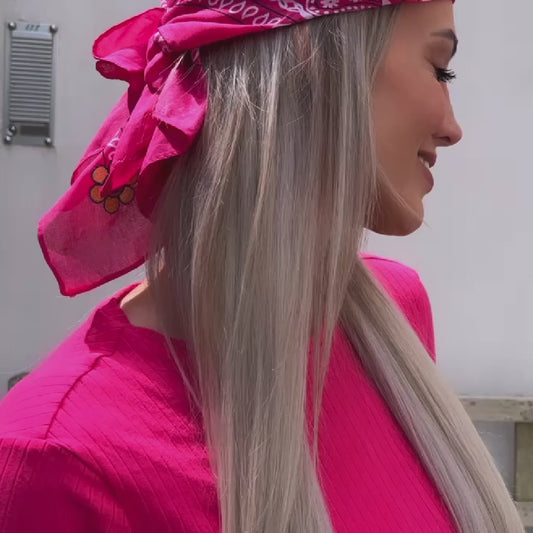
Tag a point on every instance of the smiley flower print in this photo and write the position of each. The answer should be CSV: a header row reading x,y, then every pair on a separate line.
x,y
113,201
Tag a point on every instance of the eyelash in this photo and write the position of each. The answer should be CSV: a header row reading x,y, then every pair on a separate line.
x,y
445,75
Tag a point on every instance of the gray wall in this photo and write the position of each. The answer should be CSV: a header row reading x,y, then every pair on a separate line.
x,y
34,317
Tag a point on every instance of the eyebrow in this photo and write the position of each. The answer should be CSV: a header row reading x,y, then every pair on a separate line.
x,y
448,34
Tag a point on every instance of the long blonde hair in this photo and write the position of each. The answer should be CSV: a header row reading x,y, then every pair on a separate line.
x,y
259,228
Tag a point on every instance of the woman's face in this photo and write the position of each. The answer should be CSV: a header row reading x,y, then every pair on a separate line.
x,y
412,112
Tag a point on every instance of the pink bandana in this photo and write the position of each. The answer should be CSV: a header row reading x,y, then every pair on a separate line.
x,y
99,229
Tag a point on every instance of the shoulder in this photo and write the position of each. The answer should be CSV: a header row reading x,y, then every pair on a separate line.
x,y
79,382
104,427
402,282
30,409
103,389
405,287
396,276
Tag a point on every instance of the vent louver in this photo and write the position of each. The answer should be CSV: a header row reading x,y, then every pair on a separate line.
x,y
29,84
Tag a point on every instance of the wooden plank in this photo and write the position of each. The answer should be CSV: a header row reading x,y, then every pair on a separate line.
x,y
525,509
487,409
524,462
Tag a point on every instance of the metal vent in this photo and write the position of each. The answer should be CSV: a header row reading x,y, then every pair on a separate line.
x,y
29,84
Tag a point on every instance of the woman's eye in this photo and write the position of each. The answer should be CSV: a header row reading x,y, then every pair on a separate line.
x,y
445,75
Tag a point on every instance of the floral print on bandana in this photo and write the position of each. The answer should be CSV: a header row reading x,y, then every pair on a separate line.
x,y
113,201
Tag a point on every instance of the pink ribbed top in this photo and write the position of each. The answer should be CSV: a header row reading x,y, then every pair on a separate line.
x,y
101,437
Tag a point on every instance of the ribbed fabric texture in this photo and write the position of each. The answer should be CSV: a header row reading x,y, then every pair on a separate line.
x,y
101,437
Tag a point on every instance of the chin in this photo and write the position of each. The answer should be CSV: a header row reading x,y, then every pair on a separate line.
x,y
398,223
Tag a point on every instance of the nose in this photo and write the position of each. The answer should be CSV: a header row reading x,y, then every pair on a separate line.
x,y
450,133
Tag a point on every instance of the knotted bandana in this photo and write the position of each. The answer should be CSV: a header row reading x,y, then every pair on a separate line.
x,y
99,229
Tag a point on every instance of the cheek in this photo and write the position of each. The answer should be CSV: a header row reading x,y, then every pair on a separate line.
x,y
407,111
409,107
429,112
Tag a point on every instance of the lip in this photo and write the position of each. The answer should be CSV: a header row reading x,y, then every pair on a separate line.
x,y
429,176
431,157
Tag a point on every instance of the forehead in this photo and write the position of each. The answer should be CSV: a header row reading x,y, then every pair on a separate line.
x,y
420,19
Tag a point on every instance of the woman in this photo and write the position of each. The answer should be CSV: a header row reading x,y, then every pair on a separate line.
x,y
266,377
